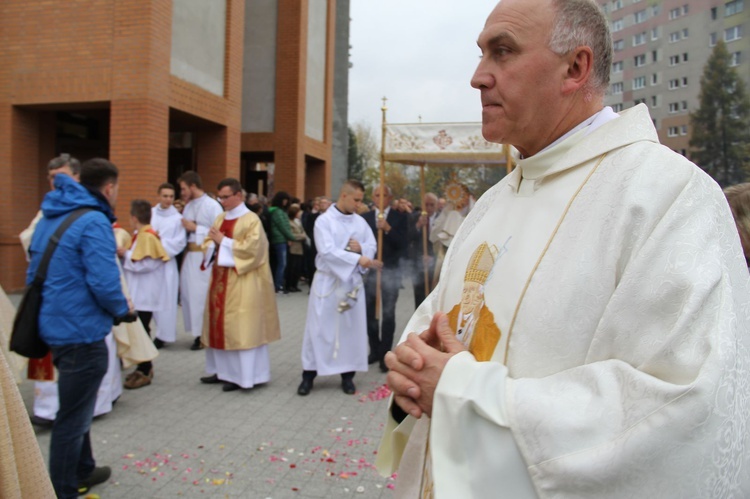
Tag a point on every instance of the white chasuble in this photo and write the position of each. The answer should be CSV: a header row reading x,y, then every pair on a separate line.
x,y
610,272
241,316
335,341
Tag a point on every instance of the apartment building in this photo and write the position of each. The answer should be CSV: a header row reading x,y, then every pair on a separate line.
x,y
660,49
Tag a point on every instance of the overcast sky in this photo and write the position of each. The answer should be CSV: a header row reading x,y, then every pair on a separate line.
x,y
420,54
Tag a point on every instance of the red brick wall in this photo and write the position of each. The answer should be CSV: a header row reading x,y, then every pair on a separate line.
x,y
58,55
18,194
139,147
288,141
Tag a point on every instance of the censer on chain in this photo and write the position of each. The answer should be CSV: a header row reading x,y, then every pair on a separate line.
x,y
345,304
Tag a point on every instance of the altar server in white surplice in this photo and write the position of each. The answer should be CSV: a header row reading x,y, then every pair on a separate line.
x,y
599,294
145,269
197,217
335,340
167,222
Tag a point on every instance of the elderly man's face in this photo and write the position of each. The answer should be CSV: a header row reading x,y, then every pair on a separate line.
x,y
386,197
430,205
519,77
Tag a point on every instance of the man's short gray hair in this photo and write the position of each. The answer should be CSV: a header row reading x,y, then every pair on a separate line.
x,y
582,22
65,159
386,188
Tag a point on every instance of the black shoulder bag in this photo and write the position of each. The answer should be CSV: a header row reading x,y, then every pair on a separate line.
x,y
25,339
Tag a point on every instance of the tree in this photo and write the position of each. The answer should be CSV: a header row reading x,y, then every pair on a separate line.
x,y
363,150
721,125
354,166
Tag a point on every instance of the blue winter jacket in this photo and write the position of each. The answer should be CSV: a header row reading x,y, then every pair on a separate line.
x,y
82,292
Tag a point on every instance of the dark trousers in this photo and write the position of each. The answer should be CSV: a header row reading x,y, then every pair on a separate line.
x,y
145,317
80,369
381,335
309,263
293,271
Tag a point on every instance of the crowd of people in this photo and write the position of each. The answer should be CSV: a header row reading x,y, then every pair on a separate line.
x,y
224,256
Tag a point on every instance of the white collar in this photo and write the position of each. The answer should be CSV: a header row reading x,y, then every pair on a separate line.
x,y
165,213
236,212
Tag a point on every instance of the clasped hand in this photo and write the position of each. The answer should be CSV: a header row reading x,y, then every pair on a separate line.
x,y
415,366
215,235
354,246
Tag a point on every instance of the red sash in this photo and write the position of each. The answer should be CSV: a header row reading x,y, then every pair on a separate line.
x,y
218,294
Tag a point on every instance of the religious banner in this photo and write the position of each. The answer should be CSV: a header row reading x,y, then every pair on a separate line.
x,y
455,144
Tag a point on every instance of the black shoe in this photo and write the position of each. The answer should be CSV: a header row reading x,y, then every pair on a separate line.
x,y
305,387
371,359
99,475
196,344
383,367
158,343
348,386
43,422
230,387
211,380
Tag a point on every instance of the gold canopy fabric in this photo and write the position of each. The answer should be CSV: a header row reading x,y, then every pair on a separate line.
x,y
454,144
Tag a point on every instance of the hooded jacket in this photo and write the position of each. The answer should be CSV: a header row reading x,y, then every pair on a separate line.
x,y
82,292
281,232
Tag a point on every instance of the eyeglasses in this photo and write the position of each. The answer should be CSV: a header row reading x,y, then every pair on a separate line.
x,y
224,198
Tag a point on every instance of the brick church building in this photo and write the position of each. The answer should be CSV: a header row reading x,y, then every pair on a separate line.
x,y
252,89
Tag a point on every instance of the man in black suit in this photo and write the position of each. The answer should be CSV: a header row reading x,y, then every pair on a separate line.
x,y
421,220
394,225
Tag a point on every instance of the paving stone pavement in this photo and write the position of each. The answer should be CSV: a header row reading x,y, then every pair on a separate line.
x,y
180,438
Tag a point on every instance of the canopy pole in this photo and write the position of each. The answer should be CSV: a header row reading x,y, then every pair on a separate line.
x,y
380,215
425,266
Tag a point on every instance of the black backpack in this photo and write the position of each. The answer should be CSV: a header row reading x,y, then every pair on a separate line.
x,y
25,339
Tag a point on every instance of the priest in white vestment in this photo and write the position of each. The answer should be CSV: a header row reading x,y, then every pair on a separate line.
x,y
167,222
335,340
614,290
241,317
197,217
